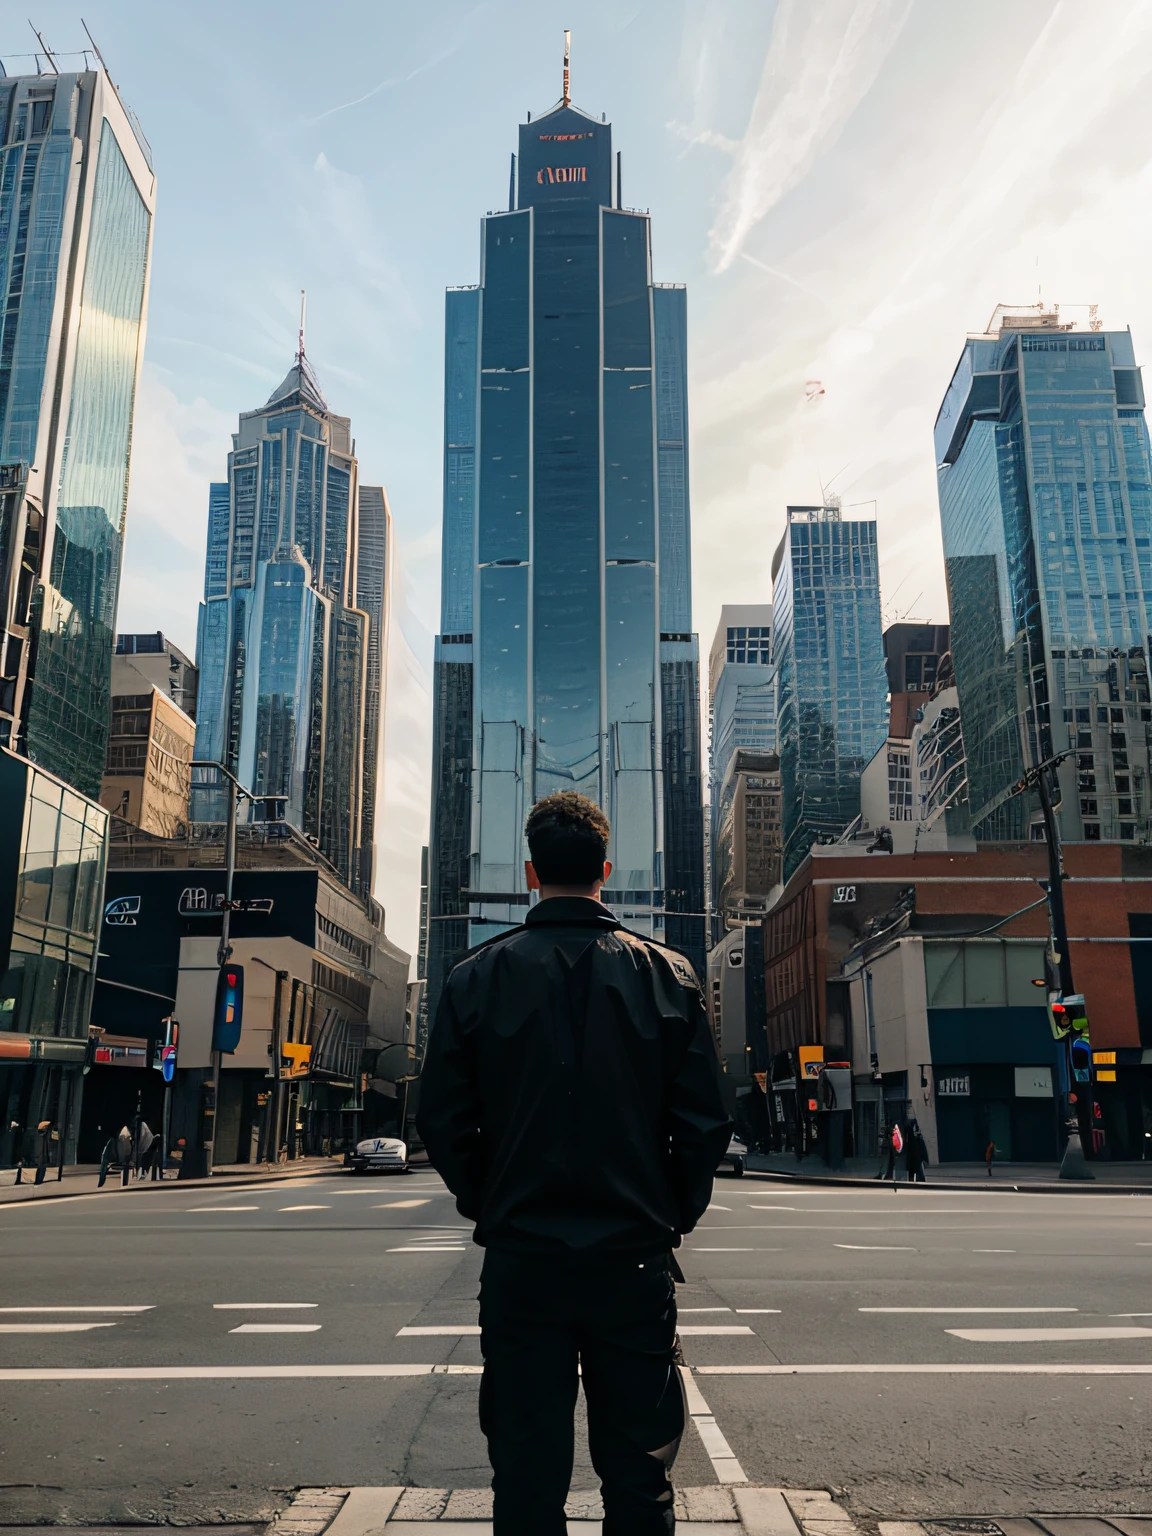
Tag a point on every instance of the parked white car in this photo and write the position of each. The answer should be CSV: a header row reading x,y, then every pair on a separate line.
x,y
378,1154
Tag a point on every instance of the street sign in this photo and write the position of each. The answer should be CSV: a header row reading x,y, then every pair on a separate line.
x,y
164,1059
958,1085
295,1059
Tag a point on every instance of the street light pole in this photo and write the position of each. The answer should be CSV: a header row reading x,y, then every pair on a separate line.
x,y
224,950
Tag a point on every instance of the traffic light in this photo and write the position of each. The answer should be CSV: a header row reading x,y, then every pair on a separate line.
x,y
229,1013
1081,1060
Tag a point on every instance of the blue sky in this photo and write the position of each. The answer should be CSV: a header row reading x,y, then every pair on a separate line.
x,y
847,187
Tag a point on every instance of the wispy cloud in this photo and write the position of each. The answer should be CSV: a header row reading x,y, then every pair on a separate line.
x,y
453,45
821,63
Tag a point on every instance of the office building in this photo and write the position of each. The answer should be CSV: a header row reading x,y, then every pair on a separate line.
x,y
566,657
1045,484
77,195
159,664
832,694
912,654
741,709
747,864
291,643
148,776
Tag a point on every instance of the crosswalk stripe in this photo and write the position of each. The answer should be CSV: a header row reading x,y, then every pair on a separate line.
x,y
52,1327
261,1306
711,1330
277,1328
454,1331
1044,1335
720,1453
78,1309
952,1310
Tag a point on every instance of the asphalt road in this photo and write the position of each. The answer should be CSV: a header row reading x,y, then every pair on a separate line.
x,y
924,1352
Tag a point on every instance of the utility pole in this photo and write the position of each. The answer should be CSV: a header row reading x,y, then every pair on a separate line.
x,y
1079,1124
224,950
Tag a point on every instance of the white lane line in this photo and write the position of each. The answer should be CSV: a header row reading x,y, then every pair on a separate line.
x,y
777,1208
694,1249
957,1369
887,1210
277,1328
727,1208
874,1247
749,1310
457,1330
993,1250
980,1309
720,1453
431,1248
712,1330
685,1310
78,1309
200,1210
261,1306
304,1208
1130,1314
232,1372
52,1327
1044,1335
400,1205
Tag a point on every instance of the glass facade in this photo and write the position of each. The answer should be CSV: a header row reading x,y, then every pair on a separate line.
x,y
71,328
832,689
1045,485
291,642
566,593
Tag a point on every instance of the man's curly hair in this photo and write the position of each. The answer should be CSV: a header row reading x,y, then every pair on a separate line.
x,y
568,839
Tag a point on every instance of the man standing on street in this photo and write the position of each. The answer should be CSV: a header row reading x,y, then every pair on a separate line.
x,y
571,1101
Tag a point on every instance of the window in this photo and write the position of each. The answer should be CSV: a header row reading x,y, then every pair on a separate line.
x,y
1123,783
1091,831
1084,717
1127,831
1125,806
1088,808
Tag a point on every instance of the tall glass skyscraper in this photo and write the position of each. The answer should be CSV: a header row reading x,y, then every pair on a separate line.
x,y
566,658
291,641
832,689
77,195
1045,485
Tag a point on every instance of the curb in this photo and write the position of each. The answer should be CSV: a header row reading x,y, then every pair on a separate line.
x,y
968,1186
138,1186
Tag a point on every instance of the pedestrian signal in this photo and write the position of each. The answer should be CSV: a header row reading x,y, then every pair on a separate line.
x,y
228,1016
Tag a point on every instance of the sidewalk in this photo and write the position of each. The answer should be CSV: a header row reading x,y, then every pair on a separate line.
x,y
711,1511
1114,1176
83,1179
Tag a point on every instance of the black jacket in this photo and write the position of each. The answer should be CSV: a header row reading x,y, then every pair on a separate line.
x,y
570,1096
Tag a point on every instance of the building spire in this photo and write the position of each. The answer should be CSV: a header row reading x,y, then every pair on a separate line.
x,y
567,97
303,317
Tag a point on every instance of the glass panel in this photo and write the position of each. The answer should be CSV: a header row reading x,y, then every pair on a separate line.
x,y
461,324
506,287
566,549
39,859
669,312
629,521
504,483
68,715
627,334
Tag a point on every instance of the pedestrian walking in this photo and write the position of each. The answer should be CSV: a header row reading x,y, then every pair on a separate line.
x,y
917,1154
571,1101
989,1154
895,1141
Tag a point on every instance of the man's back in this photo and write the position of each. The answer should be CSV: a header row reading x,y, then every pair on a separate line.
x,y
571,1094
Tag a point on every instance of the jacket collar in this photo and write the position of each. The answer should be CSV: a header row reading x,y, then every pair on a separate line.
x,y
571,909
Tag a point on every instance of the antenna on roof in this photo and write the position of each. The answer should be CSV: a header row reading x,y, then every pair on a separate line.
x,y
55,71
567,72
303,317
99,55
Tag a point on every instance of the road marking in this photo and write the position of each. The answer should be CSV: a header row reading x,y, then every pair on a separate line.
x,y
77,1309
720,1453
778,1208
993,1250
52,1327
1111,1314
199,1210
232,1372
685,1310
454,1331
400,1205
260,1306
750,1310
694,1249
1044,1335
874,1247
956,1369
727,1208
277,1328
431,1248
304,1208
983,1309
695,1330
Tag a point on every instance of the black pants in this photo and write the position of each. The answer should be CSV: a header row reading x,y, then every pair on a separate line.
x,y
541,1315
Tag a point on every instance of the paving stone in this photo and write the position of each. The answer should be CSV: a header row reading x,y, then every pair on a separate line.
x,y
469,1504
709,1504
364,1512
421,1504
585,1504
764,1512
